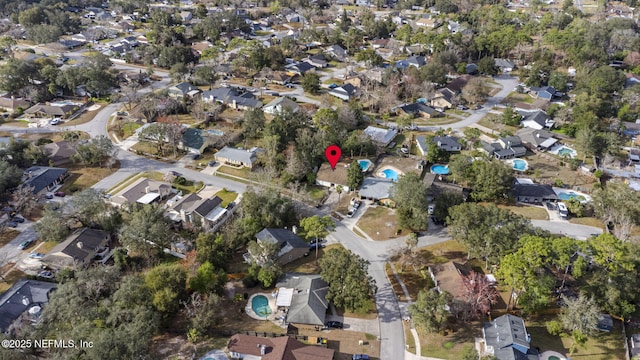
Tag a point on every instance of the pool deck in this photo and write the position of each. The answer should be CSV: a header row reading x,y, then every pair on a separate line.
x,y
587,198
546,354
380,174
276,316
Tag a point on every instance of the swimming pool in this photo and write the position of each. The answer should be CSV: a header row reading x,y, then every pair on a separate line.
x,y
519,165
553,357
440,169
260,305
365,164
570,195
390,174
564,151
215,132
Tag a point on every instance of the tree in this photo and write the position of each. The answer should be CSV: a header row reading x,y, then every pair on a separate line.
x,y
479,294
167,283
580,314
10,176
410,196
95,151
350,287
253,122
436,154
354,175
510,117
444,201
52,226
88,207
317,228
487,231
208,279
311,83
430,310
212,249
147,231
339,190
491,180
618,205
487,66
24,200
476,91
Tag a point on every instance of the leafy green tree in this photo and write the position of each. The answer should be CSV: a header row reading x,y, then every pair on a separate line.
x,y
430,312
558,80
52,226
491,181
167,283
311,83
317,228
436,154
354,176
253,122
581,314
370,57
350,287
510,117
617,204
95,151
461,167
488,232
212,249
445,201
9,176
487,66
208,279
410,196
146,232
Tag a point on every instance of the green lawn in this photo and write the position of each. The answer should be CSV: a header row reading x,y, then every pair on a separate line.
x,y
226,196
317,193
229,170
530,212
129,129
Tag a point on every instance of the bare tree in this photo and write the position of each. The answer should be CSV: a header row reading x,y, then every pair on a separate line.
x,y
24,200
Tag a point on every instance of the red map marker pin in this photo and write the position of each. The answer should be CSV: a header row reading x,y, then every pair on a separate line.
x,y
333,154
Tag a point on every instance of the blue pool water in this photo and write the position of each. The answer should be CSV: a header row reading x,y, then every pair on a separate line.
x,y
260,305
390,174
364,164
566,151
215,132
570,195
440,169
520,165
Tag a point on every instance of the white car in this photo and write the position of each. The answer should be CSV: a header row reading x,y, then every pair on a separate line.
x,y
430,209
55,121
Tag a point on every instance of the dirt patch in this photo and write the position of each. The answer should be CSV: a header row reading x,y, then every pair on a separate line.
x,y
344,342
6,235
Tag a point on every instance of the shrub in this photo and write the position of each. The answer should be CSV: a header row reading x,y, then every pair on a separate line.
x,y
180,180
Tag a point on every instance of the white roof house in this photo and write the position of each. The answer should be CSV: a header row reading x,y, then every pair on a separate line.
x,y
381,136
279,104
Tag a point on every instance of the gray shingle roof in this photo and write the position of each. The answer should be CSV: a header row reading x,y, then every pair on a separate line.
x,y
21,297
448,143
534,190
39,177
308,304
382,136
243,156
507,334
374,188
281,236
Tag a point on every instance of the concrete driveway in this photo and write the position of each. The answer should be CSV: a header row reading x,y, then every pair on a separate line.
x,y
371,326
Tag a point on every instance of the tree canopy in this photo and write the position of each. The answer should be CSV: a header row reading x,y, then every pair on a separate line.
x,y
350,286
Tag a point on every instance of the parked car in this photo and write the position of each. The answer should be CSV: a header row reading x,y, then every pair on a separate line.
x,y
36,255
48,196
25,244
404,150
360,357
313,241
12,224
332,86
212,163
333,325
430,209
462,107
357,204
55,121
312,247
231,205
59,194
18,219
196,156
45,274
351,213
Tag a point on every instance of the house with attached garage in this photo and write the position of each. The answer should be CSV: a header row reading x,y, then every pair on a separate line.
x,y
21,305
78,250
537,119
239,100
377,190
196,210
304,298
50,111
337,52
12,104
183,89
533,193
443,99
505,148
43,179
447,143
238,157
60,152
290,246
416,109
141,191
279,104
536,140
344,92
381,137
331,178
506,338
249,347
504,65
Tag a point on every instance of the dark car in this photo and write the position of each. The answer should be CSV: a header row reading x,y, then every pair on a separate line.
x,y
12,224
196,156
212,163
313,241
25,244
313,246
17,219
360,357
333,325
59,194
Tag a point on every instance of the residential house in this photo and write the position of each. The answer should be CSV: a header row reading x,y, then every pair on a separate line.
x,y
232,98
471,69
196,210
443,99
43,179
421,143
534,193
416,109
417,61
12,104
317,60
536,140
59,153
428,22
304,298
330,178
381,137
344,92
631,128
379,43
70,44
183,89
279,104
186,16
506,338
537,119
374,74
249,347
337,52
238,157
291,246
22,304
299,68
447,143
78,249
201,46
377,190
450,277
50,111
435,186
142,191
505,148
545,92
194,140
504,65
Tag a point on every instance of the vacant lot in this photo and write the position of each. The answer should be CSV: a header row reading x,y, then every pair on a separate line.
x,y
7,234
84,177
380,223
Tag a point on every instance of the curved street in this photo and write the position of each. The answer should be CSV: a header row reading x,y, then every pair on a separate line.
x,y
390,312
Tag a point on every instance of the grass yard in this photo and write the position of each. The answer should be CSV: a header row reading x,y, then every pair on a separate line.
x,y
17,123
84,177
7,234
450,346
445,251
317,193
602,346
590,221
530,212
397,289
380,230
414,282
308,264
83,118
45,247
11,278
492,121
409,341
226,196
233,171
129,129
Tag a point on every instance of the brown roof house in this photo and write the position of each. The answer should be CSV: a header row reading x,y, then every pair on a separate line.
x,y
193,209
78,250
47,111
143,191
449,277
12,104
60,152
328,177
280,348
